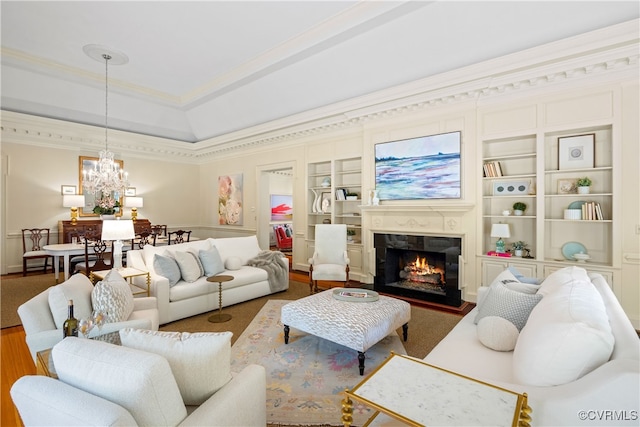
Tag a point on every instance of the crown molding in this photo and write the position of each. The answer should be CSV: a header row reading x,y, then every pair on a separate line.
x,y
604,56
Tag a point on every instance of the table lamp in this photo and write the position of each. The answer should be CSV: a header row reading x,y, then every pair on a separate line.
x,y
500,230
73,201
134,203
117,230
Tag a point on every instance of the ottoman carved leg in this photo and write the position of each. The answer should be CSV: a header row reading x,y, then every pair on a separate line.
x,y
286,334
361,362
405,331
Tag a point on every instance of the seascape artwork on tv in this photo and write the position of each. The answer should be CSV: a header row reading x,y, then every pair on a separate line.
x,y
419,168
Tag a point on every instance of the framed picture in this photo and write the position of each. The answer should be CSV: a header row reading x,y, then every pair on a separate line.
x,y
576,152
281,207
325,202
511,188
230,190
130,192
567,186
68,189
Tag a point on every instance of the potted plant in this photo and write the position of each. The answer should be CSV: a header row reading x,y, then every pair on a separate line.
x,y
350,233
519,208
351,196
583,185
518,247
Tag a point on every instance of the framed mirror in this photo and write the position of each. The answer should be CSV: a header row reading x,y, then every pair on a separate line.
x,y
87,164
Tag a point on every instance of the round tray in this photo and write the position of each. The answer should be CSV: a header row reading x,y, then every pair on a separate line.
x,y
571,248
355,295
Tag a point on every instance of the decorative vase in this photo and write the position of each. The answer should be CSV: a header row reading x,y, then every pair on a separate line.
x,y
107,217
375,200
583,190
518,252
315,201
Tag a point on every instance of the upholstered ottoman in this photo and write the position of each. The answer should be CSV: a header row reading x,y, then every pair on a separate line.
x,y
356,325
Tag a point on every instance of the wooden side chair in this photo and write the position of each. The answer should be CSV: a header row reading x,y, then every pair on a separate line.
x,y
159,230
179,236
97,255
33,239
144,238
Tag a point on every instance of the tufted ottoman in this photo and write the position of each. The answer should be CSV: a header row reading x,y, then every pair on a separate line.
x,y
356,325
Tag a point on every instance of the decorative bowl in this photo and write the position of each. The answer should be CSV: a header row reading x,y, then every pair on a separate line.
x,y
581,257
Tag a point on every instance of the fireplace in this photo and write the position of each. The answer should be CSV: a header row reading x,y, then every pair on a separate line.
x,y
418,267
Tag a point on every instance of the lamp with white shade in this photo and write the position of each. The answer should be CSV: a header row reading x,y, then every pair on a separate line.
x,y
73,201
117,230
134,203
500,230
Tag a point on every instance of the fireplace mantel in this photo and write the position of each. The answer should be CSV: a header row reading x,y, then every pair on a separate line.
x,y
435,207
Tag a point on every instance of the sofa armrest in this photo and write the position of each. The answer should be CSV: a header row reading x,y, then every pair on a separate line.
x,y
145,303
42,401
241,402
43,340
35,314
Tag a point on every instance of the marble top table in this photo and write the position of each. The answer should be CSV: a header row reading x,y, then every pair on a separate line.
x,y
419,394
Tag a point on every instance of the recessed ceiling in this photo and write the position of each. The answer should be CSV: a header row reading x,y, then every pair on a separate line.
x,y
203,69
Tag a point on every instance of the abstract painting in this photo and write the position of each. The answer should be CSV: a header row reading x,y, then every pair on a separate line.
x,y
230,199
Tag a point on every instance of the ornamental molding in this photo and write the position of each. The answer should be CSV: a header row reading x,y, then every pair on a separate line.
x,y
563,65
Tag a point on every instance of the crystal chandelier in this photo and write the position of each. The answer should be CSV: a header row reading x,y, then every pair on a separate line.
x,y
106,177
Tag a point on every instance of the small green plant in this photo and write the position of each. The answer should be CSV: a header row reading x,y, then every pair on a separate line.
x,y
584,182
519,245
349,193
351,232
519,206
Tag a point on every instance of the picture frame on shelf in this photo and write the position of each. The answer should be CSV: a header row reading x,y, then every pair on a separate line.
x,y
567,186
68,189
576,152
511,188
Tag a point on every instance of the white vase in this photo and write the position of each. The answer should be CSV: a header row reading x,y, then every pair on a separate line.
x,y
518,252
107,217
583,190
315,201
375,200
517,212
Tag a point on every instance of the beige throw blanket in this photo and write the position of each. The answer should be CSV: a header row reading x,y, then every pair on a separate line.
x,y
276,267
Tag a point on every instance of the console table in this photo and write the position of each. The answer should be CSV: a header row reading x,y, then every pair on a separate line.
x,y
66,228
418,394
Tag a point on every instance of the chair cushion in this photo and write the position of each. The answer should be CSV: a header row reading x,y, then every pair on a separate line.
x,y
166,266
211,261
189,265
200,362
329,272
113,296
77,288
139,381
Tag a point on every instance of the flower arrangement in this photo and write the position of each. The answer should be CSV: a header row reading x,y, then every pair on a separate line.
x,y
106,205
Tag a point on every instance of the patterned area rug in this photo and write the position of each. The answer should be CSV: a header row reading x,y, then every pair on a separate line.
x,y
305,378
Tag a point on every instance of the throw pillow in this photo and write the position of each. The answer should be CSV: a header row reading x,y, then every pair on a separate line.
x,y
77,288
522,278
211,261
200,362
167,267
512,305
189,267
497,333
567,336
562,277
233,263
113,296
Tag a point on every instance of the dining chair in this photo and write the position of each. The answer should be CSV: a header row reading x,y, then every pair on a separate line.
x,y
96,252
159,229
144,238
179,236
33,239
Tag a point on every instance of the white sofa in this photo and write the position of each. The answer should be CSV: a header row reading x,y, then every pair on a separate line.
x,y
185,299
42,317
103,384
604,393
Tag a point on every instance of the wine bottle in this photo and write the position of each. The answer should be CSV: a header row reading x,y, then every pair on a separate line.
x,y
70,326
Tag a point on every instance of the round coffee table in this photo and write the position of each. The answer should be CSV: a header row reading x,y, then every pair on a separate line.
x,y
219,317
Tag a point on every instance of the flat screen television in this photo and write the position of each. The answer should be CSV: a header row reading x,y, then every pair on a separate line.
x,y
426,167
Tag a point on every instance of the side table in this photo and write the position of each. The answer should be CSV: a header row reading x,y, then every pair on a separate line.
x,y
126,273
219,317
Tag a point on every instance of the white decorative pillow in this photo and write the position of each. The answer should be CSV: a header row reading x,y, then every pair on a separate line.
x,y
211,261
564,276
113,296
190,268
167,267
77,288
233,263
567,336
497,333
512,305
200,362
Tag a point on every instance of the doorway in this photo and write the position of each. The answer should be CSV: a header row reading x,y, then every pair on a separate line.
x,y
273,180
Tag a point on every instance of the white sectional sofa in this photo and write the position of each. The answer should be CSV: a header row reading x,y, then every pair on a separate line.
x,y
191,293
577,356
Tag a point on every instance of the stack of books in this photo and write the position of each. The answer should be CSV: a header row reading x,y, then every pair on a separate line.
x,y
492,169
591,211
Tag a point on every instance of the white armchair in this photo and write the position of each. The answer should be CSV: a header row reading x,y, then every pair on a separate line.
x,y
330,260
102,384
39,321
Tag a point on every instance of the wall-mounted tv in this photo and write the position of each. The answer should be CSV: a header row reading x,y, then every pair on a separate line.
x,y
426,167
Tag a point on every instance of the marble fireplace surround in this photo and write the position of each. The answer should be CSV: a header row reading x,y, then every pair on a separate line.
x,y
439,219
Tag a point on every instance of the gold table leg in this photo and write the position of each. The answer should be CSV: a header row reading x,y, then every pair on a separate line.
x,y
347,411
219,317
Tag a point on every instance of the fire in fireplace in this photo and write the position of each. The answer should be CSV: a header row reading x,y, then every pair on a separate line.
x,y
418,267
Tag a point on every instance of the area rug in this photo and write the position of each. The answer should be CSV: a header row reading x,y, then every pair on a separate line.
x,y
16,290
307,377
